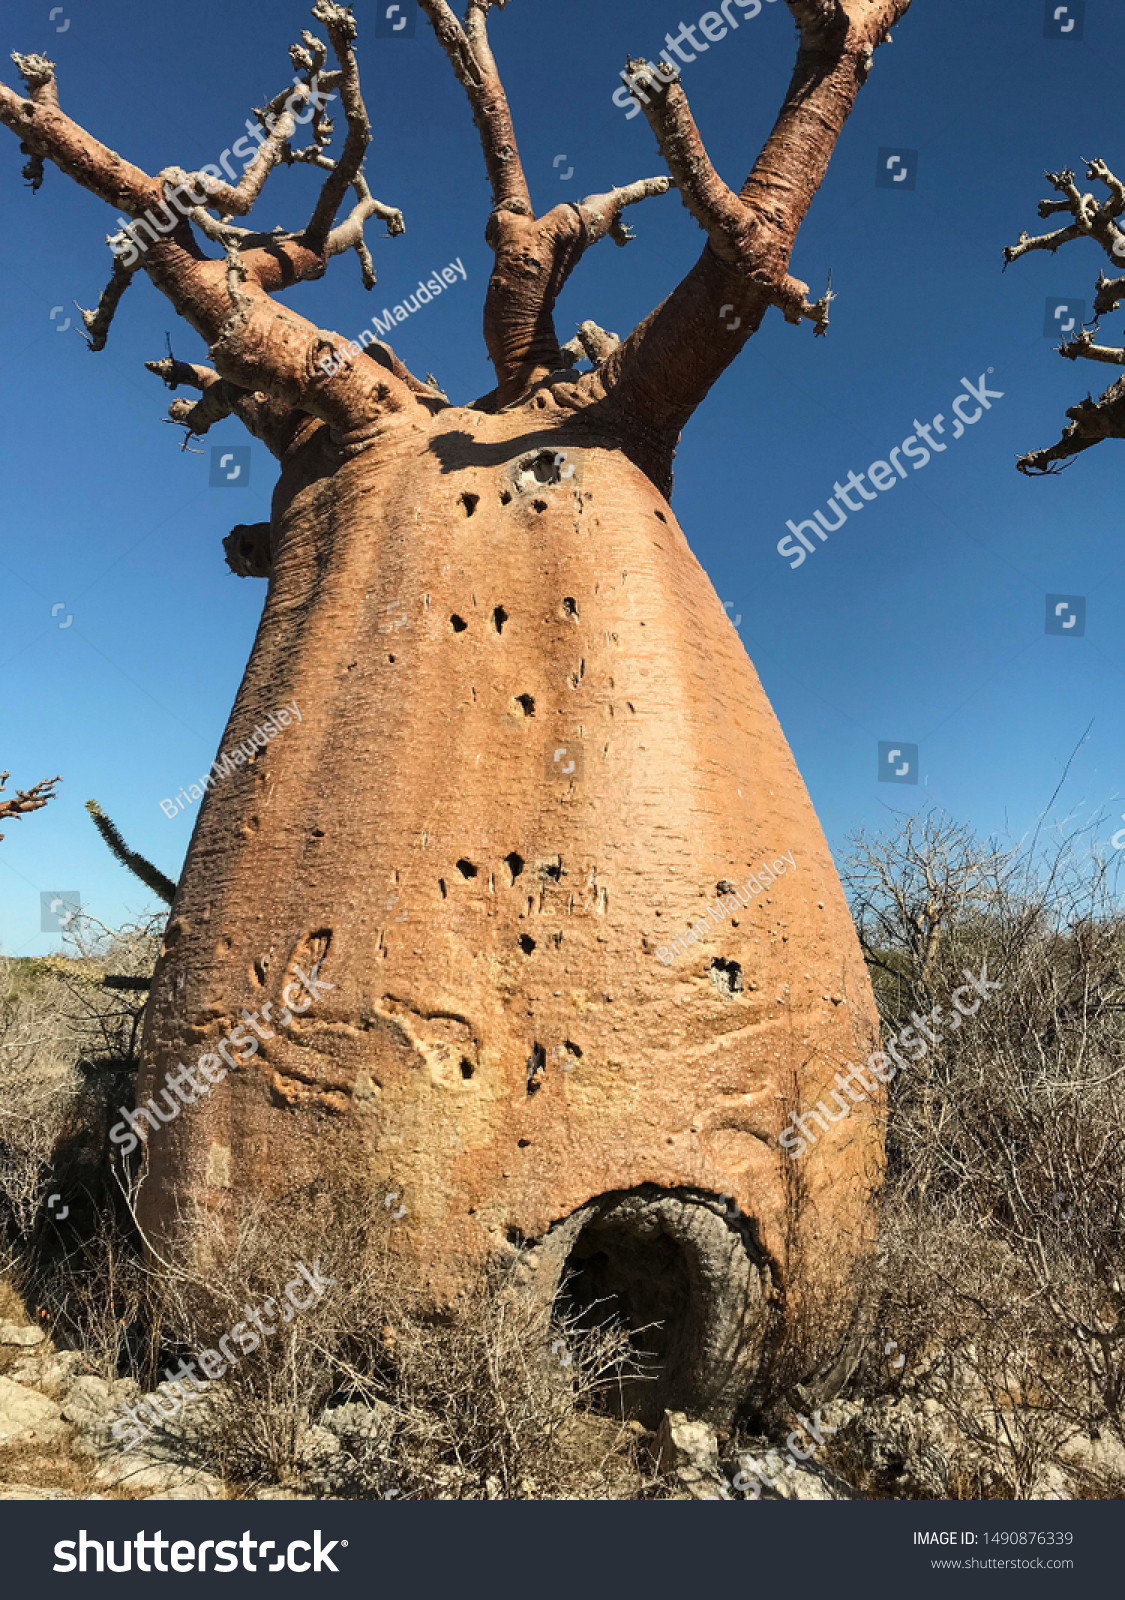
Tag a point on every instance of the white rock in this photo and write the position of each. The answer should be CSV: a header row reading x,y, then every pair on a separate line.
x,y
14,1333
27,1417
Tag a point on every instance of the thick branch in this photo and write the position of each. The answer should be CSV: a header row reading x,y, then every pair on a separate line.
x,y
718,211
24,800
1091,422
1083,348
341,28
471,57
668,363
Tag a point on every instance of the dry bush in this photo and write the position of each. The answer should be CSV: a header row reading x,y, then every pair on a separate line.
x,y
1002,1256
67,1062
474,1405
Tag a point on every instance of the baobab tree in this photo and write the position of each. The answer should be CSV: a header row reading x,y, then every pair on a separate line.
x,y
1091,420
574,945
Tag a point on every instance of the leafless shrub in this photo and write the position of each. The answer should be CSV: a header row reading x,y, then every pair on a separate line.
x,y
1002,1256
367,1394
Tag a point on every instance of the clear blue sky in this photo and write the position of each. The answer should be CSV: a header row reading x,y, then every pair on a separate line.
x,y
921,621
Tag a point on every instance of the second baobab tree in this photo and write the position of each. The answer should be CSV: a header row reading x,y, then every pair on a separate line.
x,y
457,592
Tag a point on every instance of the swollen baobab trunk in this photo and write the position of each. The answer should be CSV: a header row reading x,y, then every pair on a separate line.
x,y
523,925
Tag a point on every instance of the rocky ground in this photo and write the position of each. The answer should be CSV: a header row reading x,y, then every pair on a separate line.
x,y
56,1444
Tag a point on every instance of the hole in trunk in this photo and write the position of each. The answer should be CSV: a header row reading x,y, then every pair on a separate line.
x,y
470,503
539,505
458,624
726,976
687,1285
466,1067
536,1068
514,864
499,618
466,868
527,943
570,606
526,704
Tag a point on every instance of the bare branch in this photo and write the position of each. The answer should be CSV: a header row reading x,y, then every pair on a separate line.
x,y
24,800
97,321
718,211
471,57
602,212
1091,422
669,362
342,30
1090,219
1111,291
1083,348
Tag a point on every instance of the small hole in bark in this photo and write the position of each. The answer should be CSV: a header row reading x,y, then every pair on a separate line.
x,y
466,868
662,517
523,1143
499,618
527,943
505,497
391,659
570,606
551,869
539,505
458,624
514,864
526,704
259,970
466,1067
441,886
726,976
536,1068
470,503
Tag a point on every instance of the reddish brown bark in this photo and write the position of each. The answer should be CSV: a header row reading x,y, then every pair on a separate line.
x,y
501,1046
